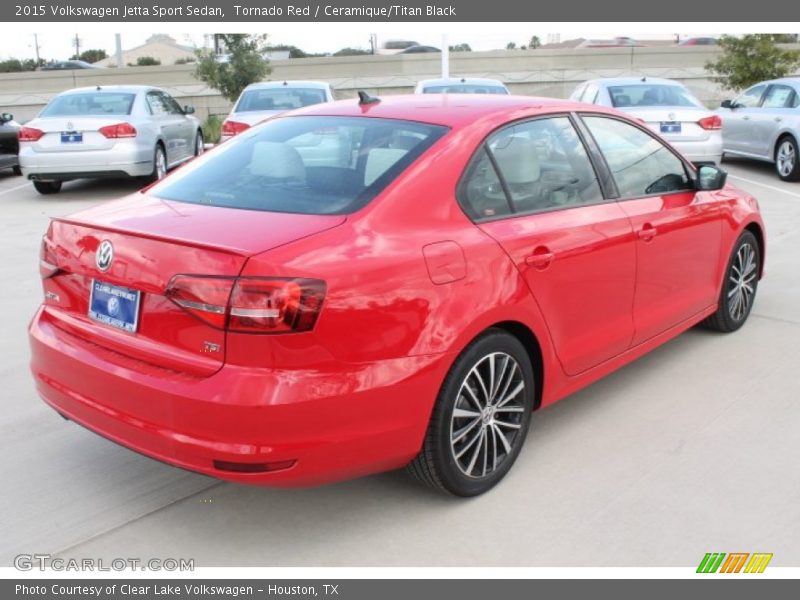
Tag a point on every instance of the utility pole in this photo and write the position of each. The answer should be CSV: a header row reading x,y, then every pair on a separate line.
x,y
77,46
118,49
36,47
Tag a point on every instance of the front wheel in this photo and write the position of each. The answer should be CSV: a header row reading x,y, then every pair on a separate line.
x,y
199,144
739,287
17,170
787,159
480,419
47,187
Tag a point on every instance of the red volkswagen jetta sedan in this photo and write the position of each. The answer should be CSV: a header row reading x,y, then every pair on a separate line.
x,y
373,284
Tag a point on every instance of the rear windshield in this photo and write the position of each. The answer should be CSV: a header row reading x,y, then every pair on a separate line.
x,y
89,103
465,88
651,95
307,165
279,99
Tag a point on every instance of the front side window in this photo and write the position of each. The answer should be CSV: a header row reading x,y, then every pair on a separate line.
x,y
89,104
779,96
542,165
751,98
306,165
640,164
279,99
170,104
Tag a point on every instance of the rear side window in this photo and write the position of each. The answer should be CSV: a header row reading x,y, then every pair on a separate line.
x,y
279,99
779,96
307,165
640,164
590,93
90,103
542,165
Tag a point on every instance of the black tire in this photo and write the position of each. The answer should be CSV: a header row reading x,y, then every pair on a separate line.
x,y
47,187
787,159
158,172
199,143
17,170
730,316
437,465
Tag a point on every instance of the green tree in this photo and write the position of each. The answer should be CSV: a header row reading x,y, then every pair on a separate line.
x,y
244,65
534,43
511,46
351,52
461,48
752,58
92,55
146,61
14,65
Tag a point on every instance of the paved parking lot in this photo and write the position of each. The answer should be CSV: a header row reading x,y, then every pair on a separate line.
x,y
693,448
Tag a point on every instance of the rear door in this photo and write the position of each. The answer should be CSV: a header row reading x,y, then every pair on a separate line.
x,y
170,125
678,230
533,188
769,119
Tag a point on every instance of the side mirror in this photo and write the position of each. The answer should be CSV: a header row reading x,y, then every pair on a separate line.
x,y
6,117
727,104
710,178
188,109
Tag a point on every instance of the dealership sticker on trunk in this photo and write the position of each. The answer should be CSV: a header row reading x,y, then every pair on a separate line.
x,y
114,305
71,137
670,127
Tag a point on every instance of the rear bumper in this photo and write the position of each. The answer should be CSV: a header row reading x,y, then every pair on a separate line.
x,y
126,158
330,424
702,152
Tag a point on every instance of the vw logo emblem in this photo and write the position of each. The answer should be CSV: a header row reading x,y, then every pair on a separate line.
x,y
104,256
70,127
113,306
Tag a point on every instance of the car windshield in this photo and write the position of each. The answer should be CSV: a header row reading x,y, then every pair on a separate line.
x,y
284,98
89,103
623,96
465,88
306,165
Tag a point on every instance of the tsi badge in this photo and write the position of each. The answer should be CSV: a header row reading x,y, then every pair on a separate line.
x,y
104,256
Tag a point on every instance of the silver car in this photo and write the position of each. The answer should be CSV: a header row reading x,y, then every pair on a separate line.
x,y
262,100
665,106
461,85
764,123
107,131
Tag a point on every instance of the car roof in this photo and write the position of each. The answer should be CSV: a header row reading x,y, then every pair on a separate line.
x,y
457,80
450,110
609,81
132,89
793,80
319,85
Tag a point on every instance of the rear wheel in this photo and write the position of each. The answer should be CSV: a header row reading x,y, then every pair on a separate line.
x,y
739,287
17,170
787,159
159,164
480,419
47,187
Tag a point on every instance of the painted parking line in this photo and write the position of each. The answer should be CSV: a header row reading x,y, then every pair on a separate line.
x,y
774,188
14,189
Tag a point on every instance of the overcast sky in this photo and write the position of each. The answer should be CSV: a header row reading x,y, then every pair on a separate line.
x,y
57,41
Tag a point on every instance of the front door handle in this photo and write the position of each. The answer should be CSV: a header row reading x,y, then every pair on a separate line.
x,y
778,119
540,259
745,118
647,232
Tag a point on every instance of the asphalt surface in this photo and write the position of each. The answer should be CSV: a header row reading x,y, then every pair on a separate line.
x,y
692,449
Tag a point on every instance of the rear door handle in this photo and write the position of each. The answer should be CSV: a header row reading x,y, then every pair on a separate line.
x,y
647,232
541,258
778,119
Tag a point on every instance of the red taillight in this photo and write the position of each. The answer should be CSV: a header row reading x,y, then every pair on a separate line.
x,y
118,130
712,122
275,305
203,297
48,261
250,304
233,127
29,134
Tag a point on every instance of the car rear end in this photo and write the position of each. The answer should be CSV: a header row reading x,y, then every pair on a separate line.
x,y
677,116
261,101
87,133
169,327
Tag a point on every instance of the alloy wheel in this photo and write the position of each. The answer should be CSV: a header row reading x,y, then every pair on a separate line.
x,y
488,415
161,164
741,282
786,158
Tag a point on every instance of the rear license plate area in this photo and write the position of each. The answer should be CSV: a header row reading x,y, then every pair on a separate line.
x,y
114,305
71,137
670,127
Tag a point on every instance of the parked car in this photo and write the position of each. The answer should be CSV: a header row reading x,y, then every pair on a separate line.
x,y
109,131
764,123
698,41
667,107
617,42
460,85
266,99
64,65
419,50
9,145
257,318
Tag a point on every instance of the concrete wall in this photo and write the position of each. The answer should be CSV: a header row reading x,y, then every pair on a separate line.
x,y
533,72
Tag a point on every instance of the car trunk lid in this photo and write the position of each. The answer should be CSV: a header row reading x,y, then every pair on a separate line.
x,y
690,130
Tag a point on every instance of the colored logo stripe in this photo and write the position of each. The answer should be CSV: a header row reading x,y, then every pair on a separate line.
x,y
717,561
711,562
758,562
